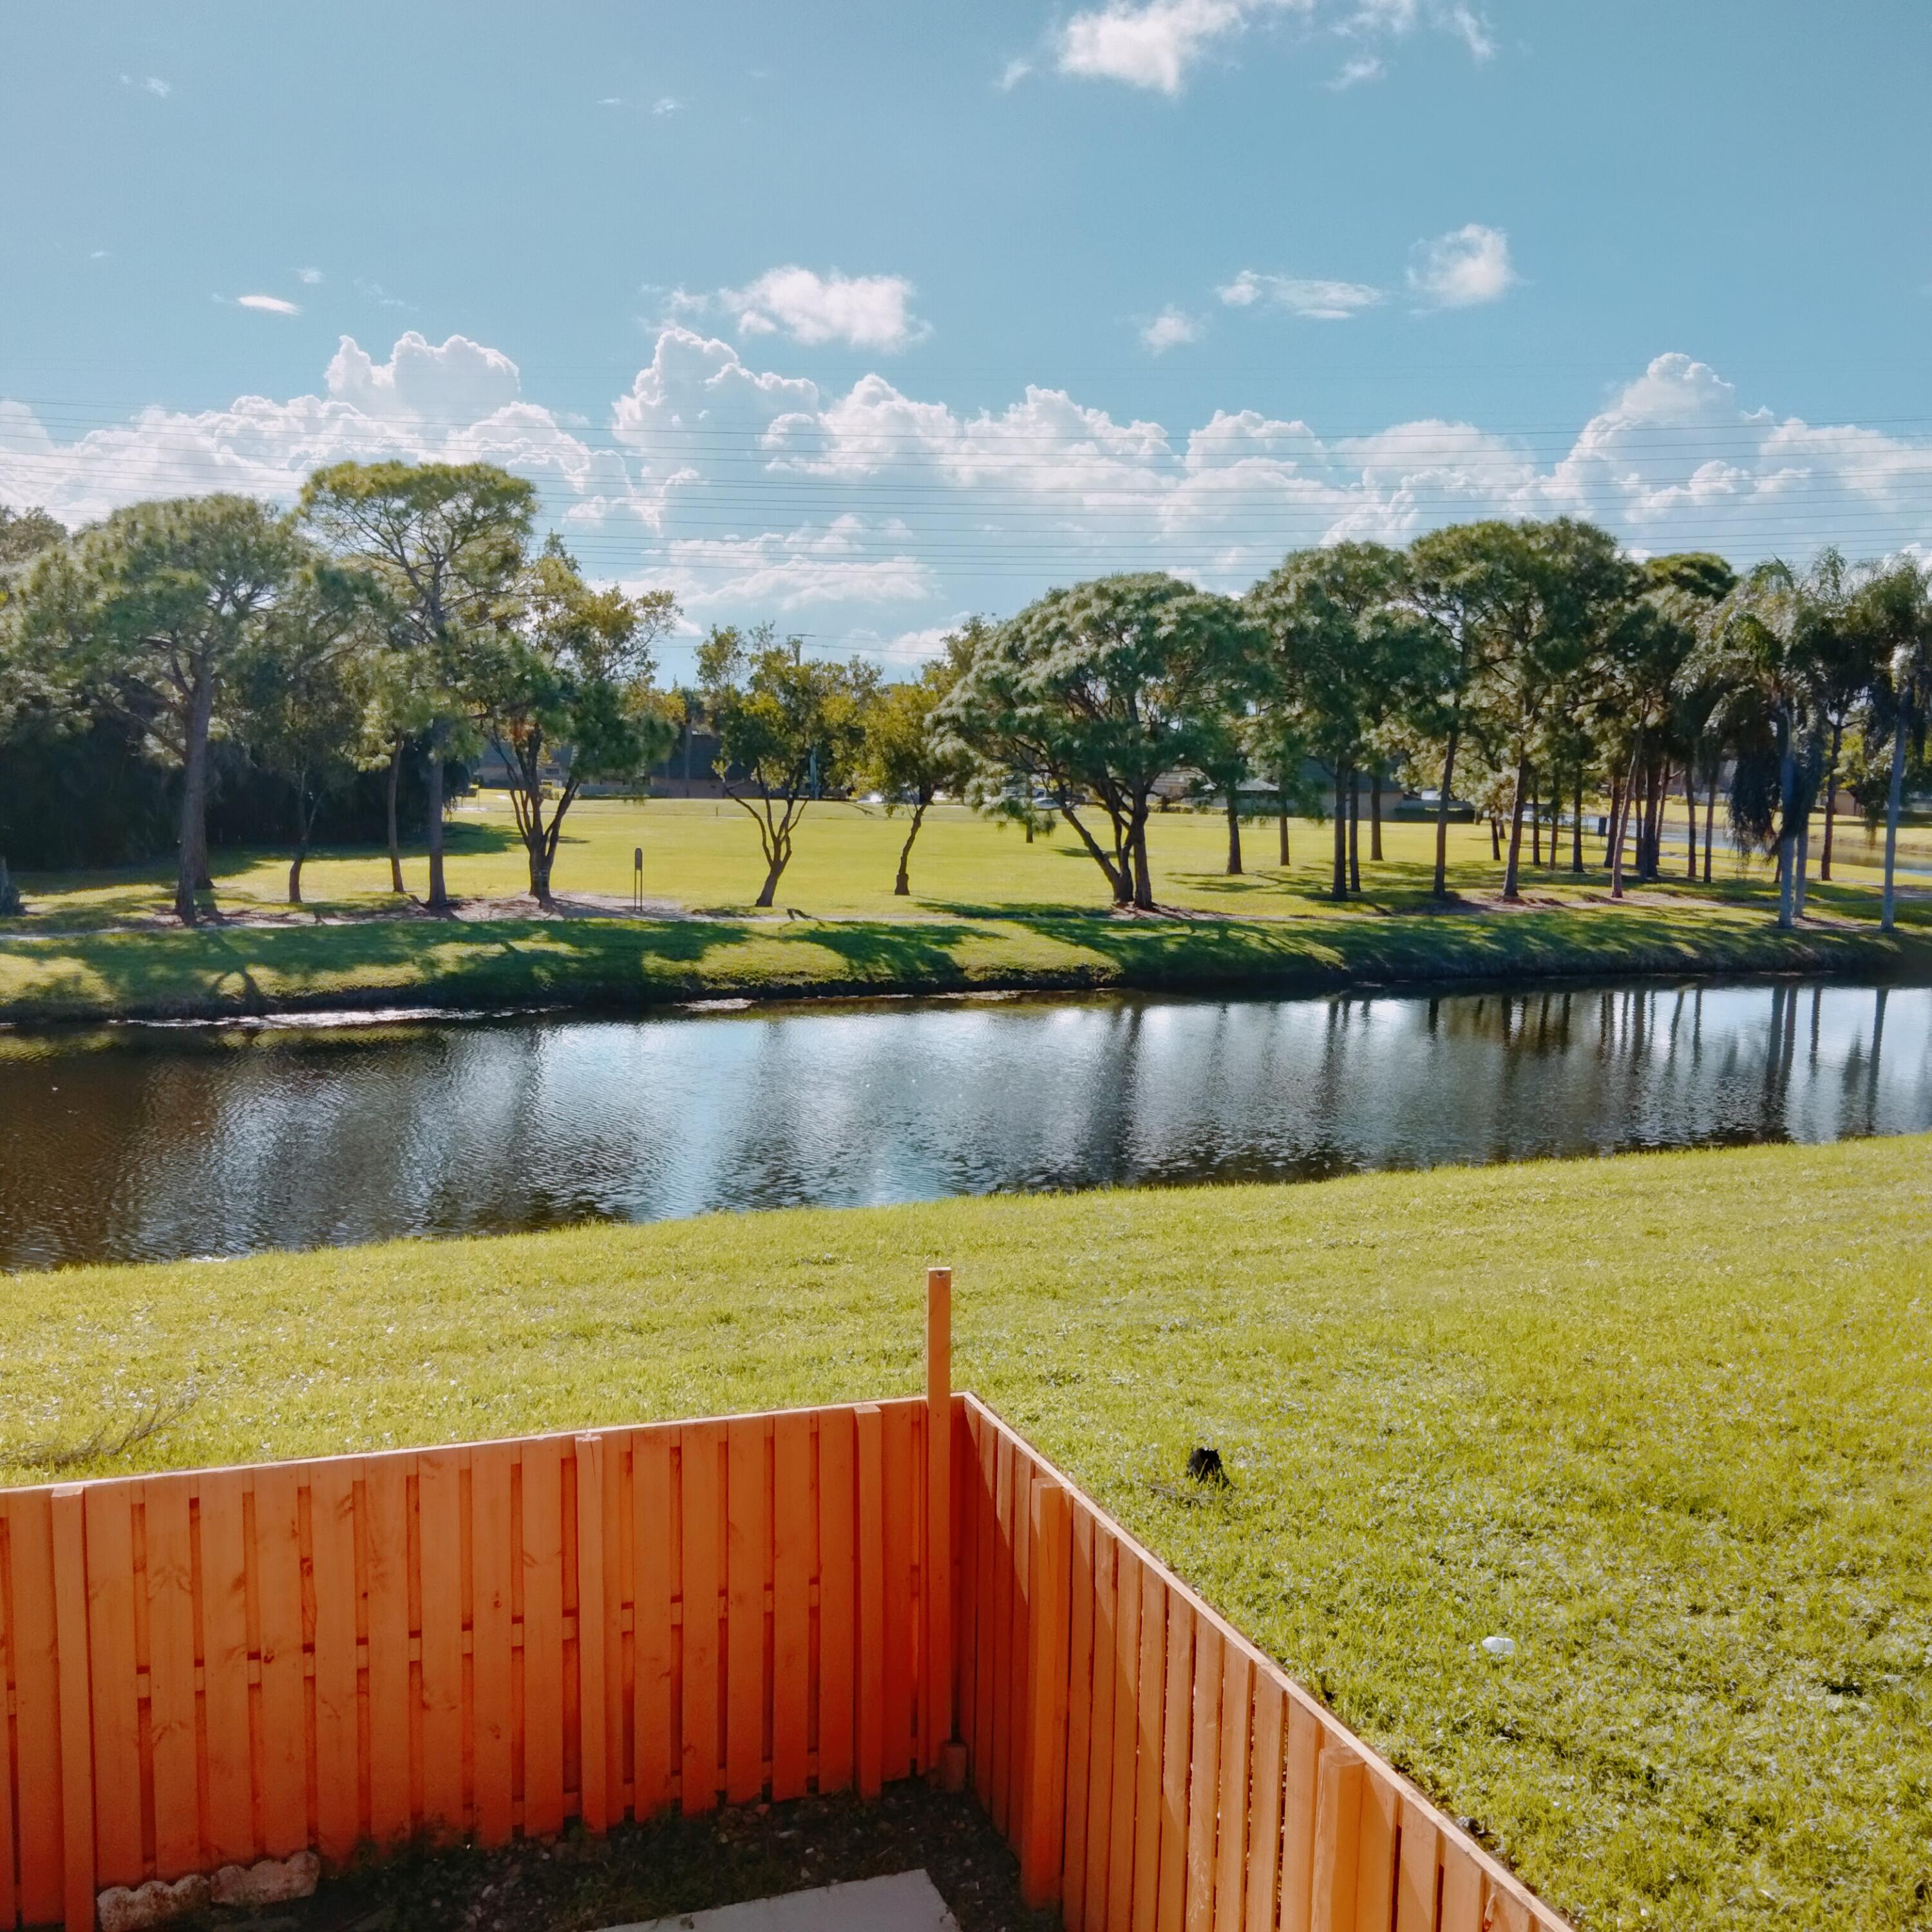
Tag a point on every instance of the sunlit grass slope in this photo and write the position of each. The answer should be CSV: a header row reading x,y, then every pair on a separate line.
x,y
1667,1421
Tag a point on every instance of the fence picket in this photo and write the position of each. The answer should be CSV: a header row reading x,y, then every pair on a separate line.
x,y
67,1521
791,1601
870,1742
1264,1781
655,1749
1302,1796
287,1728
1340,1783
1204,1772
1099,1795
899,1490
838,1597
748,1540
171,1660
1374,1910
1461,1890
1080,1716
386,1545
117,1718
439,1538
593,1623
491,1558
1121,1803
1233,1797
1150,1731
702,1451
224,1613
1171,1913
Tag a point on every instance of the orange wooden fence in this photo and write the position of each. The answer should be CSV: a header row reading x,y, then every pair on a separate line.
x,y
1154,1771
211,1668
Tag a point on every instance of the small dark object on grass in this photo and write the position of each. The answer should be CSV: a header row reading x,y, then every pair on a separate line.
x,y
1204,1466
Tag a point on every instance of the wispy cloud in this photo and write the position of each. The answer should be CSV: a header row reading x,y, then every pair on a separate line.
x,y
1171,328
1467,267
308,278
667,104
152,84
1314,299
268,304
1155,43
1354,72
1013,74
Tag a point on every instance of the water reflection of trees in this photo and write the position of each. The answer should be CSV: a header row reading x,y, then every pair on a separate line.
x,y
191,1147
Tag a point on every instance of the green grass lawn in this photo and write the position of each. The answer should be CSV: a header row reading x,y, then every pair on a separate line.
x,y
704,856
993,912
1665,1421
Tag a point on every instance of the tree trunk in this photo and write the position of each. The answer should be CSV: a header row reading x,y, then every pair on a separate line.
x,y
775,866
1143,872
395,843
1376,815
294,873
1234,833
1831,800
1512,873
439,895
1354,832
193,855
1281,826
10,895
1691,817
1577,826
1620,811
1610,832
902,885
1710,824
1535,826
1440,887
1029,831
1894,800
1339,887
1787,835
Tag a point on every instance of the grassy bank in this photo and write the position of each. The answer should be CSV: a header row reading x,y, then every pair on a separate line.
x,y
621,964
1664,1420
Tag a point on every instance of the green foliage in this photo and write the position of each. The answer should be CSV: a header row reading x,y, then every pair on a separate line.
x,y
1097,691
789,729
150,614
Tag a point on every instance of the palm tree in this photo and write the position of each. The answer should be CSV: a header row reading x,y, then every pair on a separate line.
x,y
1893,609
1757,651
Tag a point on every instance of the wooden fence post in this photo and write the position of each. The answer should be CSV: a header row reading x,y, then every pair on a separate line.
x,y
872,1618
935,1706
1042,1800
1340,1786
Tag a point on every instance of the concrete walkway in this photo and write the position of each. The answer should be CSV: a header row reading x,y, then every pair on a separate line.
x,y
907,1903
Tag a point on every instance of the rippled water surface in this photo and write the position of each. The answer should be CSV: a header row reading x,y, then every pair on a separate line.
x,y
149,1143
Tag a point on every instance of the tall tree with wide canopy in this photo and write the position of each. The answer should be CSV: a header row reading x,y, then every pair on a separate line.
x,y
789,729
302,696
1097,691
150,614
1342,651
568,679
441,547
24,535
1552,591
1451,585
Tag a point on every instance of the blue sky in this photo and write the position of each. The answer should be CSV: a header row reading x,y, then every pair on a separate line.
x,y
860,317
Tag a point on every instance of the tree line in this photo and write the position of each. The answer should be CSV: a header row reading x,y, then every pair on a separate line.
x,y
1523,669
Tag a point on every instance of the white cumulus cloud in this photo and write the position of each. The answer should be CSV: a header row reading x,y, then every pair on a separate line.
x,y
1316,299
1152,45
1467,266
1172,328
861,311
268,304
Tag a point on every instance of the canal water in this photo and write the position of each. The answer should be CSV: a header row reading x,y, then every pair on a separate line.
x,y
142,1143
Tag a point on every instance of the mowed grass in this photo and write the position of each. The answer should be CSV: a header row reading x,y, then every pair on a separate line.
x,y
703,855
1665,1421
992,912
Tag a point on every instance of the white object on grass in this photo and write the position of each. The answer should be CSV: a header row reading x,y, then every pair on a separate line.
x,y
1500,1646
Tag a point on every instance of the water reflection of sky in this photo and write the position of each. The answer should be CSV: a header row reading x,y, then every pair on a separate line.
x,y
198,1144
